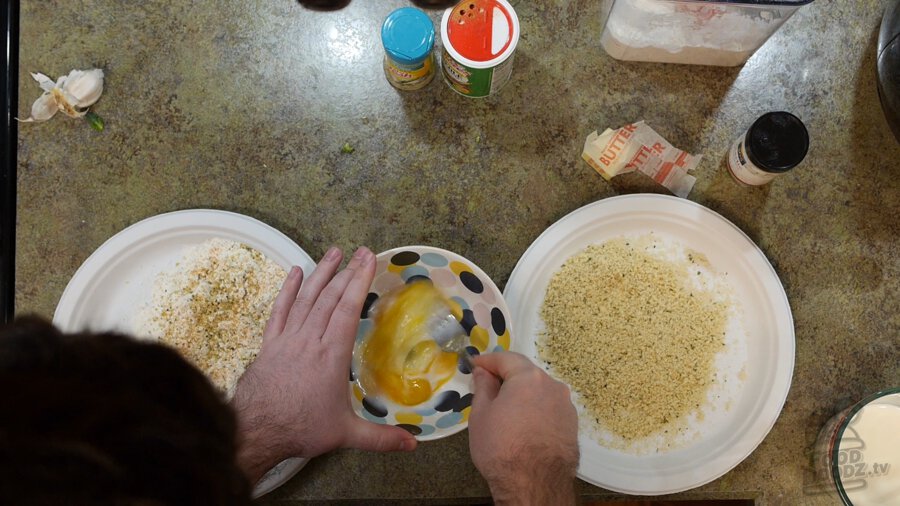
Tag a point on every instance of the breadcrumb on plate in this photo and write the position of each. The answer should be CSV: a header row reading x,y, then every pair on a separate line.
x,y
634,326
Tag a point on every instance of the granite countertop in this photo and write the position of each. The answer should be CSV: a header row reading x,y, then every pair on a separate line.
x,y
245,105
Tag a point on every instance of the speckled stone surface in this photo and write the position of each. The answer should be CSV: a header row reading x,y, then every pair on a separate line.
x,y
244,106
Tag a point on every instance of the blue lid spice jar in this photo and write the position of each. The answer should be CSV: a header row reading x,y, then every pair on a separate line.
x,y
408,38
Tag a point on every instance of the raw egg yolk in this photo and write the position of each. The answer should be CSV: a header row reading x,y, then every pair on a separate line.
x,y
399,358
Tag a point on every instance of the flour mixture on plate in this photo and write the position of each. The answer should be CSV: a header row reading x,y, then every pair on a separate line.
x,y
213,307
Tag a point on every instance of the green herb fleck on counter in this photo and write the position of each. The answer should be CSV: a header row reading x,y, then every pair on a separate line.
x,y
95,121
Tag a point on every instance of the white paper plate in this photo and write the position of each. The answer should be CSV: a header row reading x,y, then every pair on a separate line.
x,y
767,321
117,279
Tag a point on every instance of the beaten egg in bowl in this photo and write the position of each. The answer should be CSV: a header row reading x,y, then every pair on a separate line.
x,y
398,360
434,406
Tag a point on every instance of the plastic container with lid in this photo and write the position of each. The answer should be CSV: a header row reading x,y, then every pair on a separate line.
x,y
701,32
408,38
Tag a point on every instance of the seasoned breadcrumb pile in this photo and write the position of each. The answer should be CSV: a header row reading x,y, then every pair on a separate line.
x,y
213,307
633,335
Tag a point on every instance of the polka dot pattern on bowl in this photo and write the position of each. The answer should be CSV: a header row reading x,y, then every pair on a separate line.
x,y
485,319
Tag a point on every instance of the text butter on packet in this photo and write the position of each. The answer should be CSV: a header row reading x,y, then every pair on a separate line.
x,y
638,147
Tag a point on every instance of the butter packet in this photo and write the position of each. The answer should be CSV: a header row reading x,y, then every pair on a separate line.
x,y
636,147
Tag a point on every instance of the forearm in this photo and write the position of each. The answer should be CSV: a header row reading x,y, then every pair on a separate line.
x,y
255,455
550,485
561,494
259,444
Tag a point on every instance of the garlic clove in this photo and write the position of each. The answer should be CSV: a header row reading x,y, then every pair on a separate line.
x,y
43,108
73,94
82,88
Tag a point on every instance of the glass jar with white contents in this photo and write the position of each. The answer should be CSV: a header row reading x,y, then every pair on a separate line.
x,y
858,452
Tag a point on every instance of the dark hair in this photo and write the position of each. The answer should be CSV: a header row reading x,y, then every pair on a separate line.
x,y
102,418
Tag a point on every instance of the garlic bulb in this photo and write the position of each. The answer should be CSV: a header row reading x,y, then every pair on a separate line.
x,y
72,94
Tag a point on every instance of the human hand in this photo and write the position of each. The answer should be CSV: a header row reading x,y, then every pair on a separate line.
x,y
523,431
293,400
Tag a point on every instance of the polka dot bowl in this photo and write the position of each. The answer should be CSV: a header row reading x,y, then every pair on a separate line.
x,y
485,318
